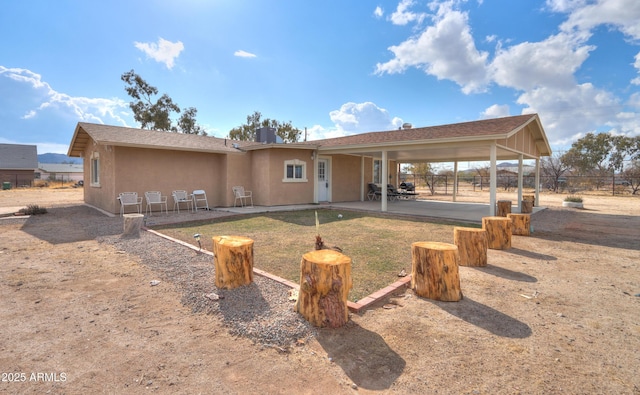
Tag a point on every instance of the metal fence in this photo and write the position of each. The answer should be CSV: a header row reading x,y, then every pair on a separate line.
x,y
443,184
11,181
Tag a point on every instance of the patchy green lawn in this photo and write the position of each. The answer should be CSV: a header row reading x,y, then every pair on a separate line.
x,y
378,245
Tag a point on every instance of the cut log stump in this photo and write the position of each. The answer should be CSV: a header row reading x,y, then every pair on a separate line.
x,y
472,245
520,224
132,224
531,198
503,208
325,282
526,206
434,273
233,261
498,232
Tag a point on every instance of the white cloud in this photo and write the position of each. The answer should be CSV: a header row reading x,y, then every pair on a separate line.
x,y
378,12
551,62
571,112
402,15
496,111
80,108
445,50
244,54
636,64
163,51
354,118
623,14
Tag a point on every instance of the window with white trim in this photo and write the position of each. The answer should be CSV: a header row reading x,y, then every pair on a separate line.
x,y
95,169
295,170
377,171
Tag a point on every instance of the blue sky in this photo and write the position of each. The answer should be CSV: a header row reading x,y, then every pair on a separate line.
x,y
334,67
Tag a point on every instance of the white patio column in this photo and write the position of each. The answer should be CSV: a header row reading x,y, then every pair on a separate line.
x,y
362,178
520,157
455,180
537,181
493,182
384,181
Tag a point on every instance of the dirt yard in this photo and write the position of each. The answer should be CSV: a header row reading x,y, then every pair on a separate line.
x,y
559,313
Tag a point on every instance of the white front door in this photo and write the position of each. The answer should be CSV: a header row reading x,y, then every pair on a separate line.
x,y
323,180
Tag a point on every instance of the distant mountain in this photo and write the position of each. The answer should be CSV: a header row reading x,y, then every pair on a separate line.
x,y
58,158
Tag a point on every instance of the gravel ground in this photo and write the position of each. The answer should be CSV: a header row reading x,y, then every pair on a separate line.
x,y
260,311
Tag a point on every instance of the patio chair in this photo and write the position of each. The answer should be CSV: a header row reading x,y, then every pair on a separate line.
x,y
199,197
402,193
155,197
129,199
240,194
374,192
181,197
392,193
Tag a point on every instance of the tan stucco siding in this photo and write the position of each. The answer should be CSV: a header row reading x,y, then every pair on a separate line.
x,y
140,170
345,178
102,195
238,169
268,168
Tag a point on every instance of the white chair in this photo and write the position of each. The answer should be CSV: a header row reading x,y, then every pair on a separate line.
x,y
240,194
155,197
181,197
199,197
129,199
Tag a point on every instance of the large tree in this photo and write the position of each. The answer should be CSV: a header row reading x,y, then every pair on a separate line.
x,y
553,168
157,115
602,153
246,132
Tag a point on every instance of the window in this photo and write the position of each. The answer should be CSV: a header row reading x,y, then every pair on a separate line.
x,y
95,169
295,171
377,171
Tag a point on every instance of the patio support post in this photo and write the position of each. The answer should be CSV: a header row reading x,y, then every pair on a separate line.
x,y
314,159
537,181
362,183
384,181
493,182
520,157
455,180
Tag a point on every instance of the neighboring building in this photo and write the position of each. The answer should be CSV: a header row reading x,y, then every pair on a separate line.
x,y
17,164
118,159
64,172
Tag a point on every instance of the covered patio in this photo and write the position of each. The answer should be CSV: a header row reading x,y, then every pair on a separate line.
x,y
510,138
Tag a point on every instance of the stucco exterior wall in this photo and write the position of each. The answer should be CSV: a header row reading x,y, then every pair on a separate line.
x,y
103,195
141,170
268,169
345,178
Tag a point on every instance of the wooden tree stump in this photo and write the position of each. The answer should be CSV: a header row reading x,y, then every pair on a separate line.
x,y
520,224
503,208
531,198
233,261
132,225
498,232
472,245
434,272
526,206
325,282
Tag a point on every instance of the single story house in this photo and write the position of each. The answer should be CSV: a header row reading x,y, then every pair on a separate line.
x,y
66,172
121,159
17,164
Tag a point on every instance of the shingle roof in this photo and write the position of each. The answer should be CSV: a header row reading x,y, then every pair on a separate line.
x,y
143,138
18,156
61,167
489,128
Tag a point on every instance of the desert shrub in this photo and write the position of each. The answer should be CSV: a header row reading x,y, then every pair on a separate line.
x,y
33,209
573,199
